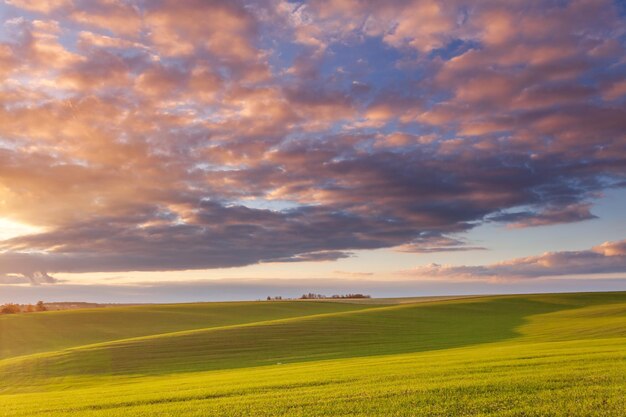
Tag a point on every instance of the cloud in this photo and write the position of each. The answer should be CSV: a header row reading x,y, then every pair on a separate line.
x,y
33,278
175,29
153,135
429,242
43,6
548,215
352,274
607,258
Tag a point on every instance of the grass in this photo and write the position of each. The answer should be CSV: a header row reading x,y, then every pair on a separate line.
x,y
527,355
31,333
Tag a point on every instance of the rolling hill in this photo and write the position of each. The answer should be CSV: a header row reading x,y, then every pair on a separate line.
x,y
531,355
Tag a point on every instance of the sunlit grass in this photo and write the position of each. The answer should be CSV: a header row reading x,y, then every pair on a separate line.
x,y
512,355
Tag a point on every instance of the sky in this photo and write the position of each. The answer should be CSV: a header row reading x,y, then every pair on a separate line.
x,y
190,150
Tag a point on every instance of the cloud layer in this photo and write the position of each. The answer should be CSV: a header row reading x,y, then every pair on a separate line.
x,y
607,258
172,135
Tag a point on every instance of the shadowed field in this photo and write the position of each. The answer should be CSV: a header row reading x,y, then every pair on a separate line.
x,y
526,355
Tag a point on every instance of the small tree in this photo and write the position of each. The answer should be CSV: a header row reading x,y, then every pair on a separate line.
x,y
41,306
30,308
10,309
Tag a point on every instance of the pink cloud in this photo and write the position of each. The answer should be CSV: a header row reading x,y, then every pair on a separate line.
x,y
43,6
609,257
144,135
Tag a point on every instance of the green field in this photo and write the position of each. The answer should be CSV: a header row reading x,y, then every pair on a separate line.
x,y
521,355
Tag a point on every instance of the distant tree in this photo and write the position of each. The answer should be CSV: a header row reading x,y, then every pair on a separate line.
x,y
30,308
10,309
269,298
312,296
41,306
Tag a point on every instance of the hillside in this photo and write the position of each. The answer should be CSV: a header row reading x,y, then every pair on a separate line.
x,y
554,354
24,334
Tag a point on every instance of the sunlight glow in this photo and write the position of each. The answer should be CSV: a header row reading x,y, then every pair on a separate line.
x,y
10,229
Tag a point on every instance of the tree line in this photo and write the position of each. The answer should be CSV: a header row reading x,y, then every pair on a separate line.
x,y
11,308
312,296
